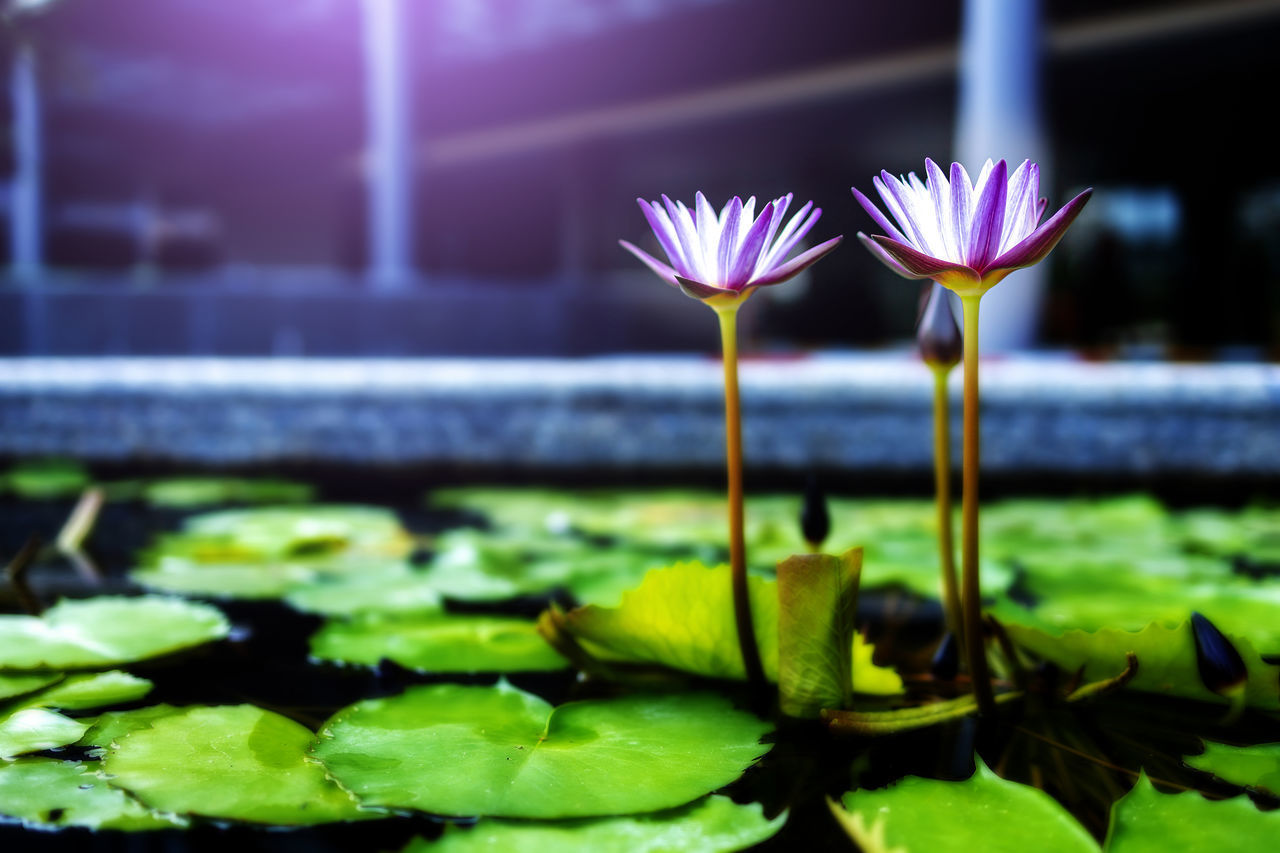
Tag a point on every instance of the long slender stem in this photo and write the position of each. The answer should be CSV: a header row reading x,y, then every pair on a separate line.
x,y
728,314
942,498
975,649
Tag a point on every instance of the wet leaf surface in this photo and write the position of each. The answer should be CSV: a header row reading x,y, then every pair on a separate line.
x,y
526,759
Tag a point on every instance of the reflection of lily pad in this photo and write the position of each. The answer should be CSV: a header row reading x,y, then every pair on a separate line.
x,y
1166,656
46,792
682,617
438,643
983,812
1144,820
711,824
528,759
100,632
235,762
1256,767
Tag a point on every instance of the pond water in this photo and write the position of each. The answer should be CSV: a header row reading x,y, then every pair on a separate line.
x,y
430,601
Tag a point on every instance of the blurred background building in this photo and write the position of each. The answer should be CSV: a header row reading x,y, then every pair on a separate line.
x,y
403,177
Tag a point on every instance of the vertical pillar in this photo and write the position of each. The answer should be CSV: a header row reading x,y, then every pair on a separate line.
x,y
26,214
998,116
389,167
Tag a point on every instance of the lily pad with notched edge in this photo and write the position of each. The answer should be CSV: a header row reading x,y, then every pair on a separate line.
x,y
682,617
984,812
1256,767
526,759
1147,821
48,793
232,762
1166,656
711,825
438,642
106,631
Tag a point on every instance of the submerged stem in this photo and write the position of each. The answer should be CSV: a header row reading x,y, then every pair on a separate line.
x,y
727,311
975,649
942,498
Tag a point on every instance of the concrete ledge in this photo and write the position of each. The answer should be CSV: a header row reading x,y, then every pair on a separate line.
x,y
848,413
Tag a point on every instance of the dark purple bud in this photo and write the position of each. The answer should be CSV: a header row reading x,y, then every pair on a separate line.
x,y
1221,668
946,660
815,520
938,335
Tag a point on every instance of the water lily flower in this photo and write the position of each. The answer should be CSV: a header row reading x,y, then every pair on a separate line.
x,y
732,253
938,334
966,235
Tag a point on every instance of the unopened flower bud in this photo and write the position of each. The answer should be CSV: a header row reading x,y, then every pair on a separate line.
x,y
1221,668
941,344
946,660
815,520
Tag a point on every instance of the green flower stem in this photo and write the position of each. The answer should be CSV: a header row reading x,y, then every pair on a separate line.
x,y
727,311
975,649
942,498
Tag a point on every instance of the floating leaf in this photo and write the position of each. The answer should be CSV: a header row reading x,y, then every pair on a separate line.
x,y
100,632
711,824
47,479
1256,767
528,759
983,812
223,580
817,602
81,692
233,762
22,684
1166,656
47,793
1146,820
438,643
33,729
393,588
682,617
305,534
112,725
181,492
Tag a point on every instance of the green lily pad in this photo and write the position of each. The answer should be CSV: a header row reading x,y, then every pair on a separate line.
x,y
182,492
682,617
1238,607
48,793
105,631
113,725
438,643
394,588
303,534
48,479
233,762
983,812
1146,820
1166,656
24,683
81,692
1256,767
527,759
223,580
34,729
711,824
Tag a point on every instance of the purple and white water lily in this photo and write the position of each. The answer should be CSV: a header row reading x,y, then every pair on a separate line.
x,y
966,235
732,253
